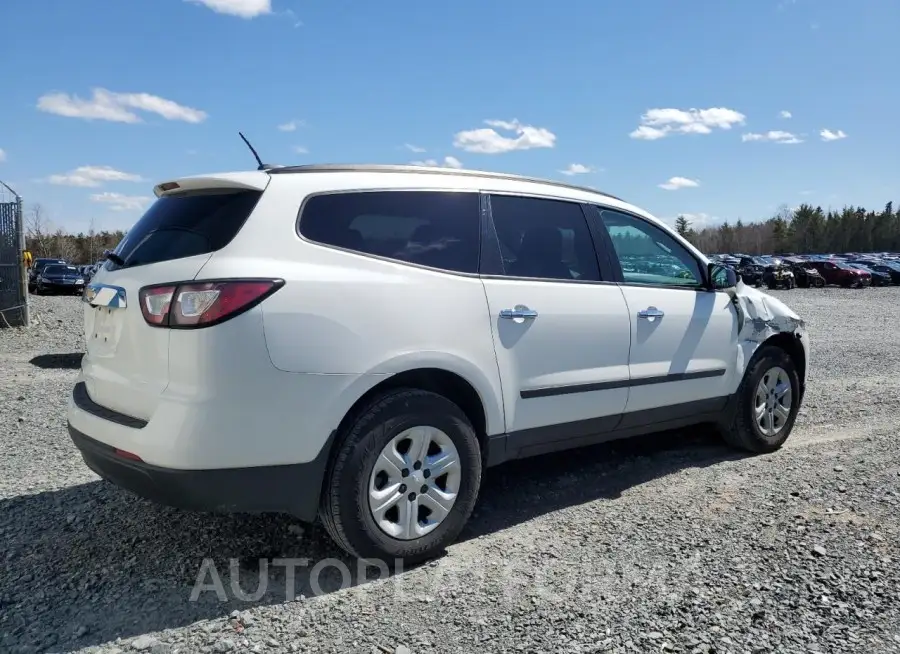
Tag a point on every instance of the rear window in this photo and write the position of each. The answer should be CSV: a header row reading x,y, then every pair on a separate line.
x,y
176,227
439,229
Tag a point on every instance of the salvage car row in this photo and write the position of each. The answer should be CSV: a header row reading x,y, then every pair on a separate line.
x,y
852,270
48,275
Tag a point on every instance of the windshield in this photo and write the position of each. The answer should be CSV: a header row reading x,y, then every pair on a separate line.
x,y
60,270
846,266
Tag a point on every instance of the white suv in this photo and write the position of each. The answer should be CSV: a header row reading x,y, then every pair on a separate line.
x,y
361,342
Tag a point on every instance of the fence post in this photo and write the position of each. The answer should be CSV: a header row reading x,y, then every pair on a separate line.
x,y
20,232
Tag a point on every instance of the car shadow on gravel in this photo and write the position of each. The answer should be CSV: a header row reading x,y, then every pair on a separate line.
x,y
522,490
67,361
90,563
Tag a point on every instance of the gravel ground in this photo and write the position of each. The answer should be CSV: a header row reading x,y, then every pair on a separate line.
x,y
664,544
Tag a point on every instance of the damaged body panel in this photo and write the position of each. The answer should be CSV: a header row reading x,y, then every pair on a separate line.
x,y
762,317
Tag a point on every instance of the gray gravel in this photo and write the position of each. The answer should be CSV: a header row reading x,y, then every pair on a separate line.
x,y
664,544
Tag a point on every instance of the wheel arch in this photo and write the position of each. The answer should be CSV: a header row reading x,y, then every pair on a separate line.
x,y
447,383
791,343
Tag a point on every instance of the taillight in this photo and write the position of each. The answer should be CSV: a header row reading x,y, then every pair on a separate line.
x,y
188,305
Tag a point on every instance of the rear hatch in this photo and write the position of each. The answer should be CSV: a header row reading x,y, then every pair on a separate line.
x,y
127,360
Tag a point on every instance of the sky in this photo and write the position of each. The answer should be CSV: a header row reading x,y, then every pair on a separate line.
x,y
716,110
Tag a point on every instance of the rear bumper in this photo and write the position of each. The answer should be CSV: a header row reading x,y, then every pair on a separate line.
x,y
293,489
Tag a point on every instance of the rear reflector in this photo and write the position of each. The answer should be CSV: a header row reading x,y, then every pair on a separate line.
x,y
127,455
187,305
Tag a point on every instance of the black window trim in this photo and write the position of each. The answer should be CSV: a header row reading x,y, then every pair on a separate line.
x,y
617,265
604,266
379,257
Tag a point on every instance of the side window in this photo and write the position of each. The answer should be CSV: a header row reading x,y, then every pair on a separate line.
x,y
648,255
431,228
544,239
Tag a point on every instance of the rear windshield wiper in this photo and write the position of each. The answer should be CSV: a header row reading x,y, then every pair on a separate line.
x,y
115,258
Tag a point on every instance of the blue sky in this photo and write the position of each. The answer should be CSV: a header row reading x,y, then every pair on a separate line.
x,y
675,106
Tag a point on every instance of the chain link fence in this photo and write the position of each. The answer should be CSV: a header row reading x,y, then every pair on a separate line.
x,y
13,278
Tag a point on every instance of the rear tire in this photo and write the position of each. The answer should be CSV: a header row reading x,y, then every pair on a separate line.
x,y
770,383
368,448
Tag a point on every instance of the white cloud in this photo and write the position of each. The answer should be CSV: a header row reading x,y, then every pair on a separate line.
x,y
785,114
299,149
487,140
117,107
577,169
119,202
291,126
676,183
414,148
239,8
659,123
448,162
774,136
2,155
828,135
92,176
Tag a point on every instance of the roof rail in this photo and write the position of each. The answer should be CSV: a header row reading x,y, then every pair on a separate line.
x,y
409,168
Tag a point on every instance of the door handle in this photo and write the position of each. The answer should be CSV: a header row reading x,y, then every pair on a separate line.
x,y
521,312
650,313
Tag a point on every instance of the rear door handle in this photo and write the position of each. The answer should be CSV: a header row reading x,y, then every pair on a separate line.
x,y
521,312
650,313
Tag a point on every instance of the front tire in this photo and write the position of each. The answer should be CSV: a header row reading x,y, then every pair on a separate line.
x,y
405,478
767,402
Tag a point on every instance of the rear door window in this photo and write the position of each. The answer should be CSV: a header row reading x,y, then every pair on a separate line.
x,y
180,226
439,229
544,239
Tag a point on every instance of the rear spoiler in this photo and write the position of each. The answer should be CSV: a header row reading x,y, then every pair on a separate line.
x,y
251,181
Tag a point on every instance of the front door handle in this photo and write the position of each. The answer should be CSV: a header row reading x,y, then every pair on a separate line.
x,y
650,313
521,312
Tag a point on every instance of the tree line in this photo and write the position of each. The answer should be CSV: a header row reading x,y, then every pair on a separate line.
x,y
45,240
804,230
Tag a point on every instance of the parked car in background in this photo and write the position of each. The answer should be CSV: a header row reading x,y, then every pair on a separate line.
x,y
87,272
37,266
805,275
751,270
481,318
886,266
878,278
841,273
59,278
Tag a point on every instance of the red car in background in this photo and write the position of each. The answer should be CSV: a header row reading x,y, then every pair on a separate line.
x,y
841,273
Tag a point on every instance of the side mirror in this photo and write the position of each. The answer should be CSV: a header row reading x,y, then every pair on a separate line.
x,y
722,277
